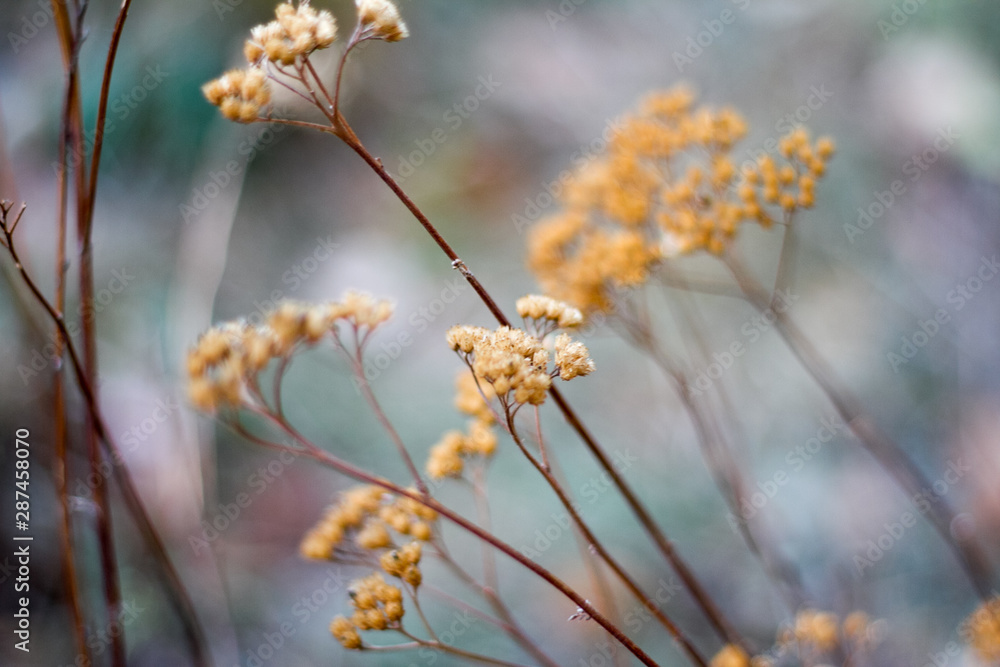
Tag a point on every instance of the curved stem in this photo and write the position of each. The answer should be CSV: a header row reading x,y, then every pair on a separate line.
x,y
507,621
175,589
310,450
447,648
598,547
362,382
886,451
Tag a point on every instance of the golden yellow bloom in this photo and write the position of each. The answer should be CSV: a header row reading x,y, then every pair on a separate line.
x,y
982,631
512,361
469,396
816,628
731,656
667,185
345,633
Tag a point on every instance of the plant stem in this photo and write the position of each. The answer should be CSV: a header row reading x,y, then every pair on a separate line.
x,y
887,452
175,589
321,456
598,547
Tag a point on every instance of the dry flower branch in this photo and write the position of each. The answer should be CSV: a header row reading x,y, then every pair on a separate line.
x,y
174,587
887,452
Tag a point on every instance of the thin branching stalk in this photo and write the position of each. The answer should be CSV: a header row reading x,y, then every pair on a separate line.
x,y
644,517
725,472
358,369
886,451
61,467
500,608
310,450
172,581
599,549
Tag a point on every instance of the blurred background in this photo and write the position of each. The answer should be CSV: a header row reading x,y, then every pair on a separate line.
x,y
199,220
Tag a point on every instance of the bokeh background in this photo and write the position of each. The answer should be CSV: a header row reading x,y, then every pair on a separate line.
x,y
180,244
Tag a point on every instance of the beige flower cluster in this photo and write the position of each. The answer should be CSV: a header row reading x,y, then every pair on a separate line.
x,y
362,518
287,42
667,185
227,359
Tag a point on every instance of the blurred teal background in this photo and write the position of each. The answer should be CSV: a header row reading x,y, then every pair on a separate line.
x,y
189,244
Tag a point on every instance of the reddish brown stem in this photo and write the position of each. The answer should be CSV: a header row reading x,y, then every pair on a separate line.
x,y
310,450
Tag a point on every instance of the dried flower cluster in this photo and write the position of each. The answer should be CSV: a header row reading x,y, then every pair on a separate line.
x,y
287,42
224,365
543,314
447,456
731,656
515,364
377,606
361,520
982,631
379,19
240,94
295,33
667,185
811,633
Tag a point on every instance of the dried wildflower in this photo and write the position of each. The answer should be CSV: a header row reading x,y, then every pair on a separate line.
x,y
856,626
228,358
982,631
379,19
240,94
403,563
377,606
816,628
512,361
344,632
668,185
471,397
548,314
572,358
447,456
363,517
295,33
731,656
